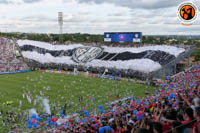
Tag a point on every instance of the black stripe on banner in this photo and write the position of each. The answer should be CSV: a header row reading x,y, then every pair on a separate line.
x,y
55,53
158,56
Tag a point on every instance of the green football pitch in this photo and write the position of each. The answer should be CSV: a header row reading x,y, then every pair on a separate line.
x,y
60,89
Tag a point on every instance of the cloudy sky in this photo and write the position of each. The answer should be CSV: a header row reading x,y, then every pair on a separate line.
x,y
152,17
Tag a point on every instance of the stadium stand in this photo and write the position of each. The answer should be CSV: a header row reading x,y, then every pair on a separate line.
x,y
174,107
10,59
129,61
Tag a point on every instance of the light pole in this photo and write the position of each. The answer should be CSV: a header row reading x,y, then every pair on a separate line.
x,y
60,22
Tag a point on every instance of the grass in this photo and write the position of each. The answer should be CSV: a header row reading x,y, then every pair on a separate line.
x,y
63,89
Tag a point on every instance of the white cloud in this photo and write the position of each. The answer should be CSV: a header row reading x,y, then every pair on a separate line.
x,y
18,1
94,16
144,4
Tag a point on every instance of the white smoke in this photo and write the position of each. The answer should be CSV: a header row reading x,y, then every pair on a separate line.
x,y
32,111
44,103
28,98
46,106
20,102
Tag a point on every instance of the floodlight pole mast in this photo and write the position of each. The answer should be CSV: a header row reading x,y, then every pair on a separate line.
x,y
60,22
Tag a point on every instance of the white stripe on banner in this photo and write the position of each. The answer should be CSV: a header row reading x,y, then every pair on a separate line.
x,y
142,65
168,49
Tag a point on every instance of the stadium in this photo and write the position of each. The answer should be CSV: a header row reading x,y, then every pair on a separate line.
x,y
116,82
60,93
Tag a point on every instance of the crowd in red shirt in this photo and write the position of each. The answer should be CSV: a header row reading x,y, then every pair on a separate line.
x,y
174,108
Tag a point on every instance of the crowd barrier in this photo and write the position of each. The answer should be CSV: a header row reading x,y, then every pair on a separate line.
x,y
14,72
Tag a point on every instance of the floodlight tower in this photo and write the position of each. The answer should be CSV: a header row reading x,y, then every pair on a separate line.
x,y
60,22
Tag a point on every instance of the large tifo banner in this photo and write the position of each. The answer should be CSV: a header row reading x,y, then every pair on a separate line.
x,y
144,59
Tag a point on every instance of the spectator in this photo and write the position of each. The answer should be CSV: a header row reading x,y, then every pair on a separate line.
x,y
9,62
157,127
196,126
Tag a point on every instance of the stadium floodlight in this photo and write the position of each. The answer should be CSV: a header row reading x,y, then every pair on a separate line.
x,y
60,22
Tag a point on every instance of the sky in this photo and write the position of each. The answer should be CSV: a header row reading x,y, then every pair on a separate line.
x,y
151,17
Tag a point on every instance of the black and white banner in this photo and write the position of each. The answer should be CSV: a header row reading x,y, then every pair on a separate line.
x,y
144,59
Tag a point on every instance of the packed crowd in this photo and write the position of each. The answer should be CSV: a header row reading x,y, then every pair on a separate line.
x,y
174,108
12,67
8,59
11,119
